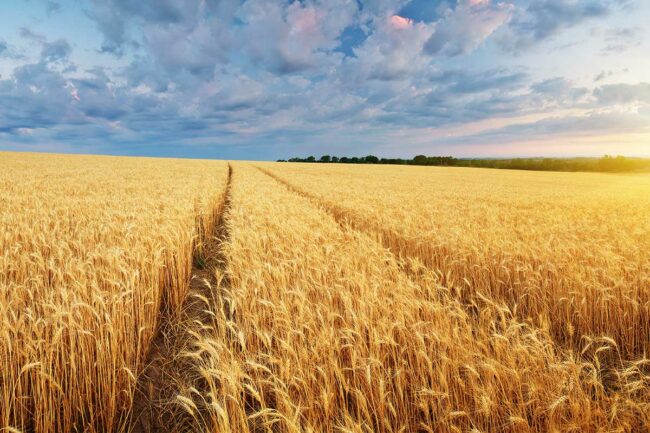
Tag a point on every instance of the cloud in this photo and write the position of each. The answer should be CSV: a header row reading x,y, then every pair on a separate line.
x,y
266,73
52,7
617,94
194,36
425,10
543,19
115,17
392,51
594,123
35,98
557,134
557,93
603,75
499,79
463,29
26,33
8,51
622,39
296,37
55,51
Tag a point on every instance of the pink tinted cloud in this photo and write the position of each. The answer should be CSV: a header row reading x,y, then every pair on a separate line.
x,y
400,23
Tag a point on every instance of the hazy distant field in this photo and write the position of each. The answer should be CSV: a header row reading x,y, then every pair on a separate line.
x,y
184,295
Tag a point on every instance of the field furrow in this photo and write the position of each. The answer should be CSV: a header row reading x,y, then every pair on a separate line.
x,y
155,406
93,252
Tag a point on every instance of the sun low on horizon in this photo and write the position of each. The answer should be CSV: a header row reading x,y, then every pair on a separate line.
x,y
271,79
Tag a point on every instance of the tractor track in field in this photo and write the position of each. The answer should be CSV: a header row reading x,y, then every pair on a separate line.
x,y
395,244
402,249
399,246
154,408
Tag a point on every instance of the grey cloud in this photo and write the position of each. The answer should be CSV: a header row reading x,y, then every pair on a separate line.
x,y
115,18
95,99
38,96
35,98
543,19
177,50
111,24
266,70
52,7
195,37
9,52
464,28
612,94
380,7
142,71
558,93
622,39
490,80
27,33
55,51
392,52
297,37
554,86
590,124
602,75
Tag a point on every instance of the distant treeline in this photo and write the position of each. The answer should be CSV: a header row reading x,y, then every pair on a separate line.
x,y
606,163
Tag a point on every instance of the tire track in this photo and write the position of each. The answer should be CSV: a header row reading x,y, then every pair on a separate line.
x,y
416,265
397,245
154,409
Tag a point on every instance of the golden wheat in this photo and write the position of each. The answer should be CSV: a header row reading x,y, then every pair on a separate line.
x,y
569,251
318,329
91,249
334,299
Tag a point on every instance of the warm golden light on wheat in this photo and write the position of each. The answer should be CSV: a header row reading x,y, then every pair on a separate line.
x,y
571,251
312,298
91,249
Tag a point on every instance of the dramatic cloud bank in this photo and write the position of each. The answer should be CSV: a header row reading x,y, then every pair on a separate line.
x,y
270,79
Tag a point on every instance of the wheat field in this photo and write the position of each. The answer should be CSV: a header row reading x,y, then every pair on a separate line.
x,y
92,251
143,295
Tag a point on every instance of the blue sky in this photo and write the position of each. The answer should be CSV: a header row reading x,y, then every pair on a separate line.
x,y
268,79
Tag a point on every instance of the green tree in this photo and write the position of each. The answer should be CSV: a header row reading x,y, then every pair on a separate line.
x,y
420,160
372,159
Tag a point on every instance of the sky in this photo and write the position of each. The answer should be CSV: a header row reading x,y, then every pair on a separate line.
x,y
270,79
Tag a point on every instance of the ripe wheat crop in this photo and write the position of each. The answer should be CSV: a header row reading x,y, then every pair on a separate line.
x,y
92,249
319,329
569,251
322,298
